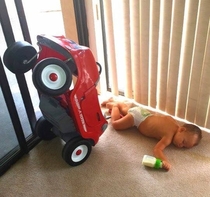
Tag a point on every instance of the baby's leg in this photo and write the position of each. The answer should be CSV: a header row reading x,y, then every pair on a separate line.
x,y
123,108
115,113
118,122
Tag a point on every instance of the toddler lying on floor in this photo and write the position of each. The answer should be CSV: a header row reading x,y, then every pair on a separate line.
x,y
162,127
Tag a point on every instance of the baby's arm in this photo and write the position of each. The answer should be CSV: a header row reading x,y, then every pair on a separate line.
x,y
158,152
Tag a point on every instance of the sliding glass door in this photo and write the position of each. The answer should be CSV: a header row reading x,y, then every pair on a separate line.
x,y
13,142
8,139
19,100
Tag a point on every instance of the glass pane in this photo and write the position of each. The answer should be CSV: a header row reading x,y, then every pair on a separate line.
x,y
8,139
37,17
43,17
19,103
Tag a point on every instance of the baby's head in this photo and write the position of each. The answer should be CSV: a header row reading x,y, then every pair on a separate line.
x,y
187,136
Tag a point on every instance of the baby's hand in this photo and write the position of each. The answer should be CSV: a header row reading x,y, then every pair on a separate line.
x,y
166,165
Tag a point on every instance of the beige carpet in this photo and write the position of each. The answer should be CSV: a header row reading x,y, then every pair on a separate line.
x,y
113,169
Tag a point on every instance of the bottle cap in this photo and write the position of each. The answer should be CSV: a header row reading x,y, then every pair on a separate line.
x,y
158,164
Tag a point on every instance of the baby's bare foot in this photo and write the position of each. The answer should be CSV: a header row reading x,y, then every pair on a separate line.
x,y
103,104
110,105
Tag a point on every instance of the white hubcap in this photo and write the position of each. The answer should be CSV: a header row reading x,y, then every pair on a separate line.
x,y
79,153
53,76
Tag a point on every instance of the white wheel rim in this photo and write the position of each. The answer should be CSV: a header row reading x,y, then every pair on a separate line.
x,y
53,76
79,153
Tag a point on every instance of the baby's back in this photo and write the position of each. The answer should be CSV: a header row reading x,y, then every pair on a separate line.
x,y
157,126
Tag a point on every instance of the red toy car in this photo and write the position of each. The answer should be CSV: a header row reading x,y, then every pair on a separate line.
x,y
70,111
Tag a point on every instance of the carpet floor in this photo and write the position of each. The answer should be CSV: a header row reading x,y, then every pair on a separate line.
x,y
113,169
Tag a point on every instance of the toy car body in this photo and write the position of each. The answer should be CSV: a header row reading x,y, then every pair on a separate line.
x,y
71,111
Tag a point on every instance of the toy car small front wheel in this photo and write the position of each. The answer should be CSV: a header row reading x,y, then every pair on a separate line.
x,y
20,57
43,129
76,151
52,77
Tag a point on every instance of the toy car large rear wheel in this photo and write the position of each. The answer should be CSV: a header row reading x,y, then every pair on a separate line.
x,y
52,77
20,57
76,151
43,129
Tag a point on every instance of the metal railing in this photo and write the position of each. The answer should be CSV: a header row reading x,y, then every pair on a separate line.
x,y
25,144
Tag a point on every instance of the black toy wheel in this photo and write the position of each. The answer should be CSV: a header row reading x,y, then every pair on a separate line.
x,y
43,129
52,77
16,57
76,151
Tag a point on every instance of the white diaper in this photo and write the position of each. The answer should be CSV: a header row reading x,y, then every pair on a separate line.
x,y
139,115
